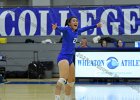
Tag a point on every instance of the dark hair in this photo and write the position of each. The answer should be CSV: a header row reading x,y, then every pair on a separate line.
x,y
84,38
123,43
102,42
68,20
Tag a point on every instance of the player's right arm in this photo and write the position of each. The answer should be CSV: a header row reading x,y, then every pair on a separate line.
x,y
59,28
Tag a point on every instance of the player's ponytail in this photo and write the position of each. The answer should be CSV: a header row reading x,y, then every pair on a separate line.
x,y
67,22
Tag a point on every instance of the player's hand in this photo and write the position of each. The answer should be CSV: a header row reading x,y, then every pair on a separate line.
x,y
99,24
54,26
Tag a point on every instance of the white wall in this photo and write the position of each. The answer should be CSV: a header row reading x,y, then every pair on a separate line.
x,y
40,2
94,2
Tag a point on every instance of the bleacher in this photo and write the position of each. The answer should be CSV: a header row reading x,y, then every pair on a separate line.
x,y
19,54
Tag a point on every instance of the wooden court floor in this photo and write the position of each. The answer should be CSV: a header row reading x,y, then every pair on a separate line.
x,y
43,89
29,89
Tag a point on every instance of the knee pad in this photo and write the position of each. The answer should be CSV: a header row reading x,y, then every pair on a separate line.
x,y
71,84
62,81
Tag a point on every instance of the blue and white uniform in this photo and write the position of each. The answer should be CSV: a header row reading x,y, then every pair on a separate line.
x,y
68,42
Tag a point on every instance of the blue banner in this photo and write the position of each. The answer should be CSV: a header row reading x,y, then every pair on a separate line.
x,y
116,20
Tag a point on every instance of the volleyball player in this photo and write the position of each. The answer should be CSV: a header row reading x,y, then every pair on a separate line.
x,y
65,57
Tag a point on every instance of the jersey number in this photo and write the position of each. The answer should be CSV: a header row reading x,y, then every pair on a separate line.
x,y
74,40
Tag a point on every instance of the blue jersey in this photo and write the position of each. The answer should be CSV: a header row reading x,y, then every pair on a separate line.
x,y
70,38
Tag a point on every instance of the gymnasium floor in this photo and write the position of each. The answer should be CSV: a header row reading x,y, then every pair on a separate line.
x,y
43,89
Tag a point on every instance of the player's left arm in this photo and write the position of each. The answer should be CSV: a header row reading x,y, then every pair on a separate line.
x,y
90,27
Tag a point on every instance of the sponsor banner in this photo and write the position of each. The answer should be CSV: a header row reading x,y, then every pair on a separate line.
x,y
116,20
107,64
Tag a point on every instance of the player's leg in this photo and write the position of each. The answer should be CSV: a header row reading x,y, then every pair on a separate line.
x,y
70,82
63,76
